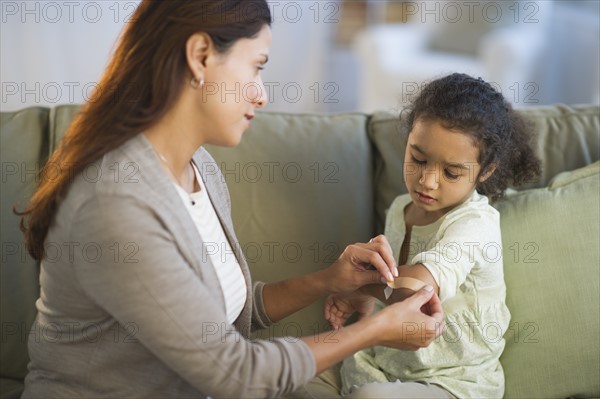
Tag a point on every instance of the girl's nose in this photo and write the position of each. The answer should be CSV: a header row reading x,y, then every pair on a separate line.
x,y
430,178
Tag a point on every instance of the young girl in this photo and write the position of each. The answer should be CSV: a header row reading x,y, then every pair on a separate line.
x,y
465,143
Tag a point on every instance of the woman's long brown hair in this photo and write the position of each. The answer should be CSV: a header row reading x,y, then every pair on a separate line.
x,y
143,79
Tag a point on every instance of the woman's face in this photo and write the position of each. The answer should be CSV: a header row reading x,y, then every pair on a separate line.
x,y
233,89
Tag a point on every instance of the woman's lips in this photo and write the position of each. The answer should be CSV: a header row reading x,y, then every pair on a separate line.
x,y
425,198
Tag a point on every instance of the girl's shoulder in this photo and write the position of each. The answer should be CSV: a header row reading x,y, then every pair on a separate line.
x,y
477,203
398,205
477,210
394,218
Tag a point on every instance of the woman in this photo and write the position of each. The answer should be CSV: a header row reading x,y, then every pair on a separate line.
x,y
141,307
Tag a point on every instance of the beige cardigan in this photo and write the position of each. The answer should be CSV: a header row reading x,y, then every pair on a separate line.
x,y
131,307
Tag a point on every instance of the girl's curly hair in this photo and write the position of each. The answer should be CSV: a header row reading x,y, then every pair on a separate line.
x,y
473,106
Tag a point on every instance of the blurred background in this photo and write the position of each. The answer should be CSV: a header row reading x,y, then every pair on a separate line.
x,y
332,56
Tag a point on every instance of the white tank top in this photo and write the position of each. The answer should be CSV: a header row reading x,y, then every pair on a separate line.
x,y
216,247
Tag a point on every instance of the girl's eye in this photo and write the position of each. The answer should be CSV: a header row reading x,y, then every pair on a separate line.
x,y
450,176
418,161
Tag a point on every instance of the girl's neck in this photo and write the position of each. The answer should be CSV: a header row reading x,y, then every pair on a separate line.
x,y
417,216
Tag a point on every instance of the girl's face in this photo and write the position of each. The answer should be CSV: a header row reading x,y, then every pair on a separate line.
x,y
440,167
233,89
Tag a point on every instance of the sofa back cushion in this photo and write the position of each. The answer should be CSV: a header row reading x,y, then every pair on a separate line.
x,y
550,238
302,190
389,141
24,147
568,138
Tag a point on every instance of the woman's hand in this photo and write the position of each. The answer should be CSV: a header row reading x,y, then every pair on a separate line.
x,y
338,308
349,273
403,325
351,270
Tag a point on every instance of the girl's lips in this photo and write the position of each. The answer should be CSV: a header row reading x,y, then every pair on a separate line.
x,y
425,198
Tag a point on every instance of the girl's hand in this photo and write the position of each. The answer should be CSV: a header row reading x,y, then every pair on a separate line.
x,y
351,270
338,308
403,325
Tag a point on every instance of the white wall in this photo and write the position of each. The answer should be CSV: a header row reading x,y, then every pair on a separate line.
x,y
296,74
571,66
53,52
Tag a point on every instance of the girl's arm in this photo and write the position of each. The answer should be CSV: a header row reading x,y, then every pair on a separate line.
x,y
338,308
346,275
417,271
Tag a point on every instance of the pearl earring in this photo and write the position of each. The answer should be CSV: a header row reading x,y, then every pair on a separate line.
x,y
195,83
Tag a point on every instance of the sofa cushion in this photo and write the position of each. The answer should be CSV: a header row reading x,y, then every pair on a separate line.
x,y
567,139
24,144
60,119
389,141
550,239
301,189
11,388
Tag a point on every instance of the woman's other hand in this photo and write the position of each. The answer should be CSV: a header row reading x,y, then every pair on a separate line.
x,y
353,270
403,325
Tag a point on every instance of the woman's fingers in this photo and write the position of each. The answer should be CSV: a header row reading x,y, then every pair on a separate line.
x,y
427,299
365,254
416,329
351,271
385,250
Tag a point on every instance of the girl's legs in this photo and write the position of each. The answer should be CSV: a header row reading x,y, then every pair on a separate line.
x,y
328,385
399,389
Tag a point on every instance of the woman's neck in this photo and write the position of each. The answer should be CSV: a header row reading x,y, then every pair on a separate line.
x,y
176,137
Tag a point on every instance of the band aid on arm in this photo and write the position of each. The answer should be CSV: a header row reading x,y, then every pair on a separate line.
x,y
403,282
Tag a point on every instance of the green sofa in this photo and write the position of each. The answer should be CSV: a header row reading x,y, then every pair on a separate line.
x,y
304,186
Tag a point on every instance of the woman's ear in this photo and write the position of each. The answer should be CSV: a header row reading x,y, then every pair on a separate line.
x,y
488,172
197,49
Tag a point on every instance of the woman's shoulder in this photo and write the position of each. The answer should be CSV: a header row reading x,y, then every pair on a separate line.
x,y
126,171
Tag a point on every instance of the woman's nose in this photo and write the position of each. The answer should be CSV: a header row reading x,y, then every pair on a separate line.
x,y
261,98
